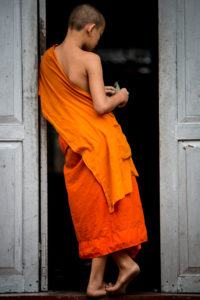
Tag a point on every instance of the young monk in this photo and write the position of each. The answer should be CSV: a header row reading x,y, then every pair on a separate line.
x,y
99,172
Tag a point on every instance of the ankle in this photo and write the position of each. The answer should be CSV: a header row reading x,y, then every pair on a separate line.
x,y
122,258
95,281
126,262
123,265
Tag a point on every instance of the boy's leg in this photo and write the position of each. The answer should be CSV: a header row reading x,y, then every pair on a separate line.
x,y
96,285
128,269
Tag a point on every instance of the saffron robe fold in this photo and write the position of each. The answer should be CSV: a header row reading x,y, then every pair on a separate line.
x,y
98,231
99,139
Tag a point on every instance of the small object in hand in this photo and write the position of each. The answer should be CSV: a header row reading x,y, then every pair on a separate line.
x,y
116,86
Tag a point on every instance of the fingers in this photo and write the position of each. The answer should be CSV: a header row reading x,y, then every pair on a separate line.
x,y
121,105
125,90
110,87
110,90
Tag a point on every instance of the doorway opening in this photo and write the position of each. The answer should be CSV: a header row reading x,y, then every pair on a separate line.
x,y
129,54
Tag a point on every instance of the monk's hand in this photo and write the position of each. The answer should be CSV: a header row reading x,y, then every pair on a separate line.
x,y
109,90
125,95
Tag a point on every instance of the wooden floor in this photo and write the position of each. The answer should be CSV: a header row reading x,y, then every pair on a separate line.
x,y
81,296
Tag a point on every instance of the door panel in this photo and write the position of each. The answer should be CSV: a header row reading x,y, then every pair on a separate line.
x,y
11,206
18,147
11,67
179,91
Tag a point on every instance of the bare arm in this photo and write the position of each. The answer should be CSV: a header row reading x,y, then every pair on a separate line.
x,y
101,103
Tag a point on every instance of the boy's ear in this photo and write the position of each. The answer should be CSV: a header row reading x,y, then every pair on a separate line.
x,y
90,27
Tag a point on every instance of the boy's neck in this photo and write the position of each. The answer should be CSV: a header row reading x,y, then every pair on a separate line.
x,y
74,38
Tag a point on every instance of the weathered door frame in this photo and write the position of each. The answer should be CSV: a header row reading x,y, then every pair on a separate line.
x,y
167,145
43,164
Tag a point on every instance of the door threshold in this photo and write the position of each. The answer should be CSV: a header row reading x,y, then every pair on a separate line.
x,y
67,295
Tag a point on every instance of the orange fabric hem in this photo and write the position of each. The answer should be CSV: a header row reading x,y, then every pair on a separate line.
x,y
85,248
98,231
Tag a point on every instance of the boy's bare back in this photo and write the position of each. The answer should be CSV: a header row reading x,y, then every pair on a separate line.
x,y
73,62
83,67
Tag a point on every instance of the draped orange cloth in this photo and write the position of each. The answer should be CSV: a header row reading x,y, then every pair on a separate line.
x,y
99,139
98,168
97,230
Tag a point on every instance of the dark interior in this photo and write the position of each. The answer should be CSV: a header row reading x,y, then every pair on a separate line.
x,y
128,49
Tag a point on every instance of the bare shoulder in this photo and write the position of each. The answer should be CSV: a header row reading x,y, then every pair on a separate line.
x,y
92,55
92,60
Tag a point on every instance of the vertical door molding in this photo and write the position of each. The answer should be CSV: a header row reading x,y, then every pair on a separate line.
x,y
43,164
168,145
30,146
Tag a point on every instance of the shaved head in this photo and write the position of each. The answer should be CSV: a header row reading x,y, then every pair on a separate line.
x,y
84,14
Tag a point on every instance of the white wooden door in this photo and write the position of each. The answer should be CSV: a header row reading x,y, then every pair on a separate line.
x,y
179,133
19,192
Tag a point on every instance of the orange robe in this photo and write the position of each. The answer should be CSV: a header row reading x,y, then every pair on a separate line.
x,y
97,230
99,170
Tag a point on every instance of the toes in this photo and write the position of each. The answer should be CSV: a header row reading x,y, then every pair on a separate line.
x,y
116,289
110,289
110,284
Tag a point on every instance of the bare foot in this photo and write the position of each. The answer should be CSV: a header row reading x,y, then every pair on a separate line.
x,y
96,290
128,273
108,284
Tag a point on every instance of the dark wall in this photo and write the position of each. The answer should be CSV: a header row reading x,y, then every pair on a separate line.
x,y
131,27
